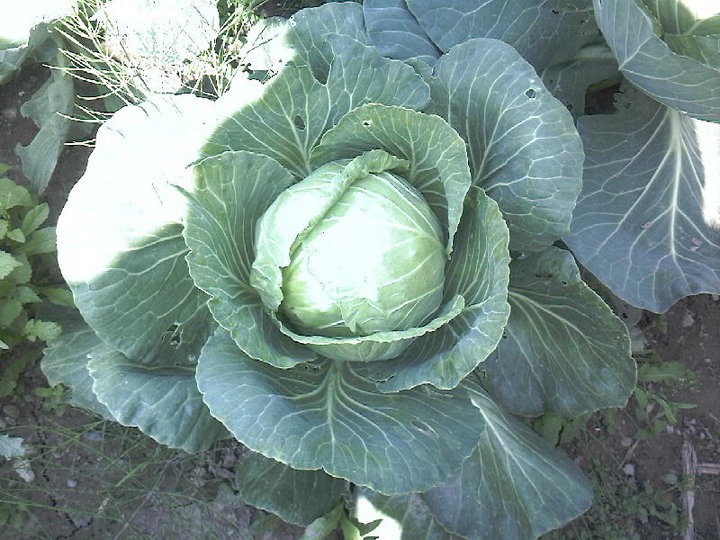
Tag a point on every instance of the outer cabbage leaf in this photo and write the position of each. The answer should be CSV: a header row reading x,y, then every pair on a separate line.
x,y
120,244
515,485
159,397
685,16
327,415
522,144
569,81
65,361
705,49
265,47
647,222
232,192
404,517
296,496
543,31
50,107
295,108
310,29
563,349
395,32
648,62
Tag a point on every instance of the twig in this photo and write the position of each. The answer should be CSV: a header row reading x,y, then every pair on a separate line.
x,y
689,465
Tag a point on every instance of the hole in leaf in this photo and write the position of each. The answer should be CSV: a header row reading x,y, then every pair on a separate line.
x,y
422,426
172,335
531,93
299,122
367,123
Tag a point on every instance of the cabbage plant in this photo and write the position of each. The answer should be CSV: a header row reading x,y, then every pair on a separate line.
x,y
353,269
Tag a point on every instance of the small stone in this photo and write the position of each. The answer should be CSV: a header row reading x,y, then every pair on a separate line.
x,y
81,521
626,442
71,483
93,436
23,470
688,320
11,410
629,469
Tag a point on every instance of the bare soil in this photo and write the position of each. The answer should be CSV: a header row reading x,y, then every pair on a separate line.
x,y
690,333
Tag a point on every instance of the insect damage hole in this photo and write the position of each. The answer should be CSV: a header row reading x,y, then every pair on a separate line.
x,y
299,122
531,93
172,335
422,426
367,123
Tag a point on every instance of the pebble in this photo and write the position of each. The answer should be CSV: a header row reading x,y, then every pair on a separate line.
x,y
688,320
626,442
93,436
23,470
629,469
71,483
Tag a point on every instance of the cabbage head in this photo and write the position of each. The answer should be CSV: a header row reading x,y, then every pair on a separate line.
x,y
351,270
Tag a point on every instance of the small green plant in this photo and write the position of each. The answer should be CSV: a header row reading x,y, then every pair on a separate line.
x,y
26,279
654,409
